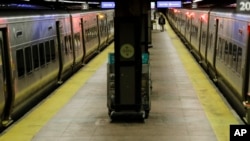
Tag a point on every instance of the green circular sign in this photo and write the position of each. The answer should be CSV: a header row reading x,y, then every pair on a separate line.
x,y
127,51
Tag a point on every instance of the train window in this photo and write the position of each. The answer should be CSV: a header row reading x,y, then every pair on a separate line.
x,y
28,59
230,57
35,56
53,49
47,51
20,62
234,57
239,60
41,54
226,52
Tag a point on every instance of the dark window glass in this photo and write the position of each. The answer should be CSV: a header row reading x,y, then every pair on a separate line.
x,y
47,51
53,50
35,56
28,59
20,62
41,54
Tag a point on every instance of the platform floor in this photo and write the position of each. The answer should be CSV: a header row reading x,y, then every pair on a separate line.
x,y
186,106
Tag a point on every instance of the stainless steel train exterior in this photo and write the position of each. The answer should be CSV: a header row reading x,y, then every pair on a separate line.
x,y
219,39
39,49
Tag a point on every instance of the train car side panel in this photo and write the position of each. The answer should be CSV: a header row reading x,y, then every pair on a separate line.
x,y
35,58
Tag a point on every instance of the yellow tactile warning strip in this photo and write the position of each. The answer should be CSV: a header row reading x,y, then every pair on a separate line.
x,y
29,125
217,112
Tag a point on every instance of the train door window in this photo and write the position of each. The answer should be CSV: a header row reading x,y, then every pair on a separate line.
x,y
70,47
95,32
53,50
203,38
234,57
218,48
35,56
226,52
28,59
210,42
87,34
195,32
20,63
47,51
230,57
41,54
239,60
77,40
66,44
222,48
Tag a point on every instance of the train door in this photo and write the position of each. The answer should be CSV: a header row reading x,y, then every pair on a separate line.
x,y
83,40
98,22
2,78
217,49
60,44
6,81
246,78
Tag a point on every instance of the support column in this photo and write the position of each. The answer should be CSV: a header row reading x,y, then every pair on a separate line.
x,y
130,41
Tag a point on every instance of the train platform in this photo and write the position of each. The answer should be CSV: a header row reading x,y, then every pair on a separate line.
x,y
186,105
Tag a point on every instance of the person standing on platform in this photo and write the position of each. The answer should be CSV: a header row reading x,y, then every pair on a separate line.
x,y
161,22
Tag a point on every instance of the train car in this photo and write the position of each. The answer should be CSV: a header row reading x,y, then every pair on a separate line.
x,y
39,49
223,42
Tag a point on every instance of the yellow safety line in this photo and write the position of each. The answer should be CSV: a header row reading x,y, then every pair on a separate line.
x,y
217,112
31,123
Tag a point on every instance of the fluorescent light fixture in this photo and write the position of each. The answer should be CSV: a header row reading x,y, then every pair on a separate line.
x,y
197,0
187,2
93,2
50,0
68,1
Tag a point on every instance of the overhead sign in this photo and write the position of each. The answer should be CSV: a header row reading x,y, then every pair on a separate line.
x,y
243,6
107,4
168,4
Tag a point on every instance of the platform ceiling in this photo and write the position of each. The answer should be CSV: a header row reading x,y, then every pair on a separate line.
x,y
206,3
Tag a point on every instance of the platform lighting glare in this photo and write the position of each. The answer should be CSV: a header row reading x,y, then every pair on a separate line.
x,y
101,16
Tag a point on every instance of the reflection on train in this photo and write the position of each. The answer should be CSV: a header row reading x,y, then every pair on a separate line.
x,y
219,39
39,49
